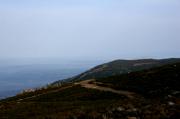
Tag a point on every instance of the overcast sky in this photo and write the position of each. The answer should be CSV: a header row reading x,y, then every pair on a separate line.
x,y
89,29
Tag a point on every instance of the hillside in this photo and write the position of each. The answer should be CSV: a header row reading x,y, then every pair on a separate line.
x,y
148,94
152,83
118,67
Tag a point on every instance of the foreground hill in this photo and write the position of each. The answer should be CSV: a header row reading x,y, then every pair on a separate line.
x,y
118,67
148,94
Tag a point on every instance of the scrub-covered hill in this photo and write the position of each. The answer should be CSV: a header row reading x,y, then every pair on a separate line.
x,y
147,94
118,67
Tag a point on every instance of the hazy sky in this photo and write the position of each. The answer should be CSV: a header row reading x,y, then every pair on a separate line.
x,y
89,29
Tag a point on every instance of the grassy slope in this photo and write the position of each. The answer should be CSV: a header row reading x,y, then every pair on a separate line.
x,y
63,104
156,81
70,102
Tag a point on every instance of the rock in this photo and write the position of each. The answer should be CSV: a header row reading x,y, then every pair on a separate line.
x,y
132,110
147,106
171,103
120,109
176,92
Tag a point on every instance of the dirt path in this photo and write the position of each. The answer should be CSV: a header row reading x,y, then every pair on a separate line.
x,y
88,84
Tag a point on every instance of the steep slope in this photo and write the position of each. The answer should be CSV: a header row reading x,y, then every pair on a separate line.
x,y
147,94
152,82
118,67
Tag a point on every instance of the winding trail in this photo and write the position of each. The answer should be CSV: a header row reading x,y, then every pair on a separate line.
x,y
91,85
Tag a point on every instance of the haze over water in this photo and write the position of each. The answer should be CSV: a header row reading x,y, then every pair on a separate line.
x,y
15,77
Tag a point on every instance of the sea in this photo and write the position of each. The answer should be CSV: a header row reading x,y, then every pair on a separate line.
x,y
17,76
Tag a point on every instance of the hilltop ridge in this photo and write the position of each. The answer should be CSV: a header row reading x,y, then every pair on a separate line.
x,y
118,67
